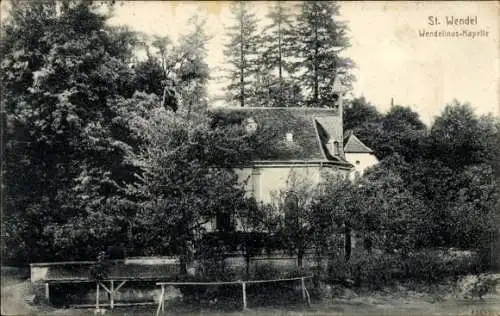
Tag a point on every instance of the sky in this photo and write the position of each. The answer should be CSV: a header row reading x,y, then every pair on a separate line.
x,y
393,60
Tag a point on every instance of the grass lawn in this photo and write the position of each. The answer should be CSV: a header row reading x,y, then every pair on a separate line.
x,y
378,303
359,306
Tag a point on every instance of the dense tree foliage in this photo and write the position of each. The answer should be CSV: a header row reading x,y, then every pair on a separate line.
x,y
73,118
360,116
460,138
449,173
178,73
400,130
185,178
295,220
60,79
338,210
194,73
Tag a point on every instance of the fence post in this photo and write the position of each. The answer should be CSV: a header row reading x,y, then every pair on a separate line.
x,y
243,285
303,288
163,298
97,296
112,294
47,292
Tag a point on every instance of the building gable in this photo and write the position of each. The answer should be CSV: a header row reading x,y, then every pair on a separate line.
x,y
352,144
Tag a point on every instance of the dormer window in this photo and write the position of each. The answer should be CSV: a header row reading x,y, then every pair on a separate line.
x,y
334,147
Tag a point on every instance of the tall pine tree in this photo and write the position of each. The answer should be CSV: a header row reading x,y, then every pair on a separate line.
x,y
318,42
242,54
278,87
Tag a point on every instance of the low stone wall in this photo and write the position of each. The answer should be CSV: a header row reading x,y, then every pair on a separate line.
x,y
15,272
282,263
85,293
140,267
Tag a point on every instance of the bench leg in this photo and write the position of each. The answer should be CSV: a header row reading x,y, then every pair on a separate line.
x,y
161,304
112,295
47,292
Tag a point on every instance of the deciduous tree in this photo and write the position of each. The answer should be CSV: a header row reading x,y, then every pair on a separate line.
x,y
61,68
185,178
294,206
460,138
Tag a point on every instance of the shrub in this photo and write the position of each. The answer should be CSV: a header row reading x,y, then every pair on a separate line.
x,y
373,269
211,258
100,269
266,272
377,270
432,265
337,270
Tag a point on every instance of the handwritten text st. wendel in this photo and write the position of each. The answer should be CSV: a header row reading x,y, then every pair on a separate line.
x,y
452,20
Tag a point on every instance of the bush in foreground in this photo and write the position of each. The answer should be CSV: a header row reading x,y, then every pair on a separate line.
x,y
376,270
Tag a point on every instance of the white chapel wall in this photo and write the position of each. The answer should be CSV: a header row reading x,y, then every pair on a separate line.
x,y
264,182
361,161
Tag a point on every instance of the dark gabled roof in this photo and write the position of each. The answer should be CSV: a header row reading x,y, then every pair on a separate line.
x,y
311,128
352,144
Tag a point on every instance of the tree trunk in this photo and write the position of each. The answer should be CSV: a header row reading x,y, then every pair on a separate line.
x,y
184,258
280,66
130,239
316,67
242,60
247,264
347,242
247,256
300,257
183,265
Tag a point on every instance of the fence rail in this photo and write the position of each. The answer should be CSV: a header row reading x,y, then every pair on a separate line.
x,y
305,293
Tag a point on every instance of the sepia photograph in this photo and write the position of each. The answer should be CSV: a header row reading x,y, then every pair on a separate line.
x,y
250,158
